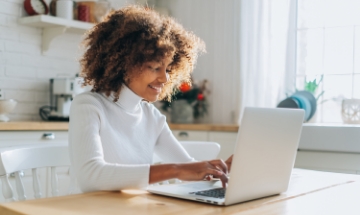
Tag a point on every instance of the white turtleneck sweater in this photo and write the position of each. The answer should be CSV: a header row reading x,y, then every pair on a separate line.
x,y
112,143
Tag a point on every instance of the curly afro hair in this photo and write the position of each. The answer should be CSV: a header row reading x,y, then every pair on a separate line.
x,y
130,37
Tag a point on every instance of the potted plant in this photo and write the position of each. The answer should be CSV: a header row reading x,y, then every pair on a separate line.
x,y
188,102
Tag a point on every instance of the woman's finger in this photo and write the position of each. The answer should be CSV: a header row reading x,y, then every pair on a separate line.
x,y
220,164
229,162
208,178
219,174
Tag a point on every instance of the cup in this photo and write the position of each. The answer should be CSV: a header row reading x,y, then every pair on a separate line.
x,y
6,106
350,111
64,9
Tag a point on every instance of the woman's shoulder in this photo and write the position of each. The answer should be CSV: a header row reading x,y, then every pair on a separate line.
x,y
88,98
151,109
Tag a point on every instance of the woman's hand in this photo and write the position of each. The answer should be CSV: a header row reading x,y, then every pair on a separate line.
x,y
201,170
229,162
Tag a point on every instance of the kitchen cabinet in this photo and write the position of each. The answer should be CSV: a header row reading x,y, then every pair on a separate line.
x,y
341,162
330,147
16,138
186,135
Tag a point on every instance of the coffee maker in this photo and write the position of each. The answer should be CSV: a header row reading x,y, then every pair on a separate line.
x,y
62,91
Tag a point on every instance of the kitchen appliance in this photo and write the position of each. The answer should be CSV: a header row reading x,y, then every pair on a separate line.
x,y
36,7
62,91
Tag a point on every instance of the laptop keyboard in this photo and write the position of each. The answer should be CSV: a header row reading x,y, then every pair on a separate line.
x,y
215,193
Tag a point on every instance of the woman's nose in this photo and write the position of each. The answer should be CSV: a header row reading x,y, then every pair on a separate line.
x,y
164,76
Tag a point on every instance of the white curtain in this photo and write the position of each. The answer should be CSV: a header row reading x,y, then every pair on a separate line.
x,y
267,51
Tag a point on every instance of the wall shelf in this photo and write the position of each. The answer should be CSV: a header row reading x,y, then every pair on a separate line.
x,y
54,26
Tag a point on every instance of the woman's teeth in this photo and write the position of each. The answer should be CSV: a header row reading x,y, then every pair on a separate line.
x,y
156,88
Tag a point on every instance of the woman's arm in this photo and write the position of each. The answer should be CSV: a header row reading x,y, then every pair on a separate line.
x,y
170,150
189,171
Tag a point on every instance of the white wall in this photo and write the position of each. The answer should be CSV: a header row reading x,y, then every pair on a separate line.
x,y
24,70
215,22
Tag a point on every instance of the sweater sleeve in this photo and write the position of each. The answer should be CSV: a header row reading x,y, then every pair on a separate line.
x,y
169,149
93,173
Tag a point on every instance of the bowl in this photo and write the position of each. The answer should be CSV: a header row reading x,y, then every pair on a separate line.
x,y
311,99
6,106
304,104
289,103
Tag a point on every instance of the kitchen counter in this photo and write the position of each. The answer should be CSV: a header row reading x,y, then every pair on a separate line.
x,y
64,126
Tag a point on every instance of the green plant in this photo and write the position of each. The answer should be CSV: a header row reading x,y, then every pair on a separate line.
x,y
313,85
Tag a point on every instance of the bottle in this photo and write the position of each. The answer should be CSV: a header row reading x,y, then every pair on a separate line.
x,y
102,7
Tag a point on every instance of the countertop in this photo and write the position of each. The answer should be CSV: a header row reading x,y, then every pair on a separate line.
x,y
64,126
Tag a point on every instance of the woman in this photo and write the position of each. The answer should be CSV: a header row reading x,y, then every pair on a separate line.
x,y
132,58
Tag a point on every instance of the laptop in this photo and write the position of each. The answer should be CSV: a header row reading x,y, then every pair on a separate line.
x,y
264,157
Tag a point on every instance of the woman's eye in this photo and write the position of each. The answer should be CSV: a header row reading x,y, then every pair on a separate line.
x,y
168,70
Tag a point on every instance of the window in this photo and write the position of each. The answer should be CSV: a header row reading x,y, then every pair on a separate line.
x,y
328,49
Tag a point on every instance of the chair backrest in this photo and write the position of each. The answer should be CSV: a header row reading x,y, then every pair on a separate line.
x,y
16,159
201,150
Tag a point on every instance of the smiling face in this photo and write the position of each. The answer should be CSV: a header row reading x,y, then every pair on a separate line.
x,y
152,78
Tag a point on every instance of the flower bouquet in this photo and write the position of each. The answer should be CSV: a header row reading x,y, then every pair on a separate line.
x,y
188,102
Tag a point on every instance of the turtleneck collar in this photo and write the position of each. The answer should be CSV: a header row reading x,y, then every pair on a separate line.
x,y
128,100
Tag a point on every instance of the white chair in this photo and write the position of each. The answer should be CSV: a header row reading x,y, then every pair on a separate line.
x,y
16,159
199,150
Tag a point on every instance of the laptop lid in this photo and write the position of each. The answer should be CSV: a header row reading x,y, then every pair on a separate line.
x,y
265,153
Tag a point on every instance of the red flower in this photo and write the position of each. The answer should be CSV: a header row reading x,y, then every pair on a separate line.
x,y
184,87
200,97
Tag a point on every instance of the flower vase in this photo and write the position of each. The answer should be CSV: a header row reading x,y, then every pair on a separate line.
x,y
181,112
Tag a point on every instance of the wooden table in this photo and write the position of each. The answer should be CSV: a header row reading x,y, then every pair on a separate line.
x,y
64,126
310,192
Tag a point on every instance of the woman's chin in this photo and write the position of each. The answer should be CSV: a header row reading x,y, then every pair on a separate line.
x,y
152,98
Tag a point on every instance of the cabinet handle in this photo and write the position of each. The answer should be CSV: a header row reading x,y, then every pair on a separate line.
x,y
21,173
183,134
49,136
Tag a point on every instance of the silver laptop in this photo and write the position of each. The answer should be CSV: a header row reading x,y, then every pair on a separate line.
x,y
264,157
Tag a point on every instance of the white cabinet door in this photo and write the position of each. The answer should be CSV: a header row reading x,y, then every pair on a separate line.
x,y
226,140
186,135
329,161
14,138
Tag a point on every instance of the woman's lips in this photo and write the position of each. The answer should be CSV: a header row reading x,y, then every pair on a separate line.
x,y
156,88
